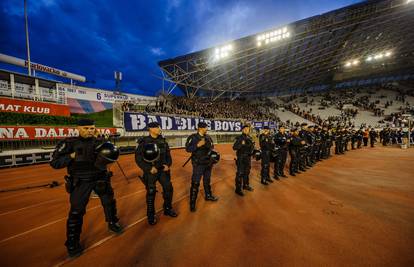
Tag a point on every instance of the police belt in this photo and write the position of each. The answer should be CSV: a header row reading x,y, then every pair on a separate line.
x,y
91,177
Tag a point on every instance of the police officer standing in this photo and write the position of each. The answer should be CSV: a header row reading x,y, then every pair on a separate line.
x,y
200,145
372,137
267,146
154,158
244,147
282,140
86,159
294,149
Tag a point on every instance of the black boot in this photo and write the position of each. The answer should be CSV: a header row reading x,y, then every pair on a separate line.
x,y
152,219
263,181
170,212
248,188
73,231
193,196
239,190
115,227
276,177
75,249
208,194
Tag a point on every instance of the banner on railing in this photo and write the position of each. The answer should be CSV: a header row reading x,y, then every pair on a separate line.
x,y
33,107
261,124
43,132
134,121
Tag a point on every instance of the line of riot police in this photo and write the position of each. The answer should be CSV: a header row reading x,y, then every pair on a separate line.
x,y
87,158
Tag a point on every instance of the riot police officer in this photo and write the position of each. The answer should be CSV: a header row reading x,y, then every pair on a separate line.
x,y
154,158
294,149
266,146
360,137
200,145
244,147
372,137
282,140
86,158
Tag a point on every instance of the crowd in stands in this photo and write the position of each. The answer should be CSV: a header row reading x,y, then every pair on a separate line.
x,y
220,108
350,102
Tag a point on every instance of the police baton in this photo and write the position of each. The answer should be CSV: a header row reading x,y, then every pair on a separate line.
x,y
185,163
122,170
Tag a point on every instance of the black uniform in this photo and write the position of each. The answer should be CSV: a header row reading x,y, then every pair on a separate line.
x,y
305,151
354,138
372,137
294,150
83,177
339,140
202,166
244,147
282,141
360,137
162,176
267,146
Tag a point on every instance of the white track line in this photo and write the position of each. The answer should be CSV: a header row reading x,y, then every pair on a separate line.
x,y
58,220
100,242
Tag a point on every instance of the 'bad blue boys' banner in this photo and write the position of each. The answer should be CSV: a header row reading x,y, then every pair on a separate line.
x,y
139,121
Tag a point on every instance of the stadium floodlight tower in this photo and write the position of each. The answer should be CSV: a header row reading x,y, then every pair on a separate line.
x,y
407,119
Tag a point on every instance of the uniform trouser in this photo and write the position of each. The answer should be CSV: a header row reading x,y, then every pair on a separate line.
x,y
309,155
79,199
353,144
302,158
317,152
203,170
329,149
243,170
365,141
372,141
150,180
281,161
265,172
359,143
294,164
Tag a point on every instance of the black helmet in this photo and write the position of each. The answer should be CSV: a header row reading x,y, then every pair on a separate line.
x,y
214,156
257,154
151,152
106,153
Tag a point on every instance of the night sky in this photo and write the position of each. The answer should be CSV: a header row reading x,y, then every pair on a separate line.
x,y
94,38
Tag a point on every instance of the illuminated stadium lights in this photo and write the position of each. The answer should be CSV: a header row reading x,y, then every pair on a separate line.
x,y
350,63
379,56
273,36
409,1
223,52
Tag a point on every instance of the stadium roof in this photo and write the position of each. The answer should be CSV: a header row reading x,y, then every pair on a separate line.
x,y
354,42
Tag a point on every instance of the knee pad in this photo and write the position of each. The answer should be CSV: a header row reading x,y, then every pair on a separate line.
x,y
152,190
75,216
195,185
